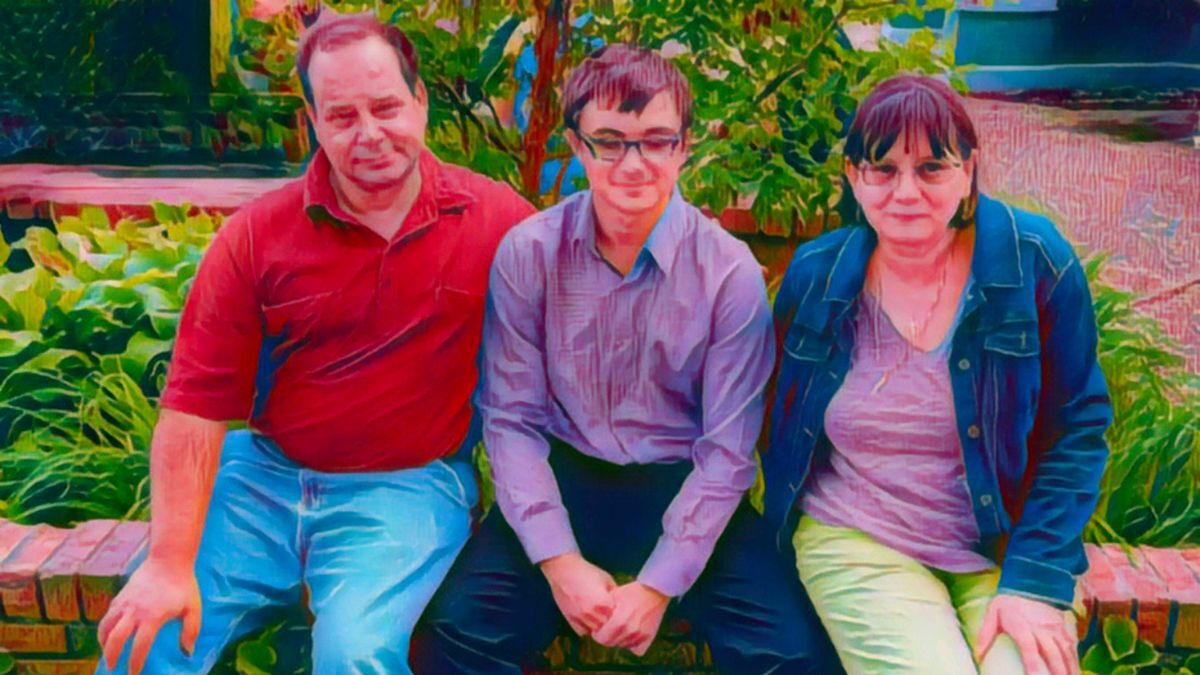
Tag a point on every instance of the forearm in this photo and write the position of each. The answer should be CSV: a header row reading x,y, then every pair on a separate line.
x,y
526,489
184,456
692,525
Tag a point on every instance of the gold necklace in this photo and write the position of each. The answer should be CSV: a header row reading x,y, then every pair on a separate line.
x,y
915,330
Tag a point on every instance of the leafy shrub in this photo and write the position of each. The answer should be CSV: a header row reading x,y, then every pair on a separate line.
x,y
85,338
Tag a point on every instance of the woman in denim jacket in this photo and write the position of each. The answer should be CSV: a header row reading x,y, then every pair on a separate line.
x,y
939,413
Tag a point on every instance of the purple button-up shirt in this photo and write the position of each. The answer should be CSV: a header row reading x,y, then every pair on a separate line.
x,y
665,364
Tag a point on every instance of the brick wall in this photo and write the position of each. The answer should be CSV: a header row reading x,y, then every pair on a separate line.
x,y
55,585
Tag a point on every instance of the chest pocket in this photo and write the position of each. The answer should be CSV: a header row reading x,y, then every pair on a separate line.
x,y
1014,338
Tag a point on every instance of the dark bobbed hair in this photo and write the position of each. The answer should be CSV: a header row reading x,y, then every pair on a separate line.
x,y
914,106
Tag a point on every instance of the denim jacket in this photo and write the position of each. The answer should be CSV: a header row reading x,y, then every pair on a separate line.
x,y
1030,400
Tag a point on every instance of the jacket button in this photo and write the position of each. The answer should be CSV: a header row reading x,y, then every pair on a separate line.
x,y
964,364
973,431
985,500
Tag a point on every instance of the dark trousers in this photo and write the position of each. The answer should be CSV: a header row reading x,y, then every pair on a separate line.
x,y
495,613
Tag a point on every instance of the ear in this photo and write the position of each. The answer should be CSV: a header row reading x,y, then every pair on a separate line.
x,y
421,94
851,171
576,144
310,111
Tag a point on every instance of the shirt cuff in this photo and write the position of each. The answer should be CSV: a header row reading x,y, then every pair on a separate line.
x,y
674,566
546,535
215,406
1038,581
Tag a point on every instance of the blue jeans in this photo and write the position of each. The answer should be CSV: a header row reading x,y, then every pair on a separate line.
x,y
371,547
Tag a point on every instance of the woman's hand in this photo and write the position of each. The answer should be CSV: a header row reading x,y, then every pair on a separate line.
x,y
1047,644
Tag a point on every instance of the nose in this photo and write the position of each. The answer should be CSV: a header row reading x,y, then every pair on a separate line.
x,y
906,187
370,131
631,162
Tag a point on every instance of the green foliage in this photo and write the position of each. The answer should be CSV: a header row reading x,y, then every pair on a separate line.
x,y
85,337
1120,652
774,84
39,57
1150,489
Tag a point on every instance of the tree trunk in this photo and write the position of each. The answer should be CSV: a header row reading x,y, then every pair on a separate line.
x,y
543,113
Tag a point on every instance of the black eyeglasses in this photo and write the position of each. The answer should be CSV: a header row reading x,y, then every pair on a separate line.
x,y
653,148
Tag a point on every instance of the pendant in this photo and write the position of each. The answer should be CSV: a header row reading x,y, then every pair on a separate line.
x,y
882,381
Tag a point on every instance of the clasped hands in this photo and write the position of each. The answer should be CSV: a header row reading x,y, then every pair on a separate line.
x,y
593,604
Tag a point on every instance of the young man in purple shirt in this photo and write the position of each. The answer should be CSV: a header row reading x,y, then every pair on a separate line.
x,y
626,347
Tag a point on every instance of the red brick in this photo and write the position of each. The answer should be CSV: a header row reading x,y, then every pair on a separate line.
x,y
738,220
1191,556
18,581
1182,584
1111,595
20,208
33,639
1153,601
59,577
11,536
1187,627
39,667
101,574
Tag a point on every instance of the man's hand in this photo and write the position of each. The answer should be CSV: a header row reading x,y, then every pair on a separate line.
x,y
156,593
636,614
1047,644
581,591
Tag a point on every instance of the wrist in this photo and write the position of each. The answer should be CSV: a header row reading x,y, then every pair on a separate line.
x,y
654,593
174,561
553,563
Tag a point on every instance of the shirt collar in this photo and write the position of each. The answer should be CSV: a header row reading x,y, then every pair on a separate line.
x,y
995,260
440,194
660,246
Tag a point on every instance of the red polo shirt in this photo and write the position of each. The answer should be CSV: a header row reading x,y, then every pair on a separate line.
x,y
351,352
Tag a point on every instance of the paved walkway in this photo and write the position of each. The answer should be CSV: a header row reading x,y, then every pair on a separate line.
x,y
1140,202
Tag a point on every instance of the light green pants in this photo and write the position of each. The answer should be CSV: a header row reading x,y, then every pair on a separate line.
x,y
888,613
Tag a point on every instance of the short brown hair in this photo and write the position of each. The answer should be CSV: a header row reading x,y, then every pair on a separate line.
x,y
626,76
913,106
332,30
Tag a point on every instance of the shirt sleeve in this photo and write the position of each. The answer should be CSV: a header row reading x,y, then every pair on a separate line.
x,y
741,356
1068,450
220,332
513,403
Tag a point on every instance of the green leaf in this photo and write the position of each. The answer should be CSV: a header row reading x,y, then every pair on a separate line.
x,y
94,218
490,60
13,343
255,658
140,352
1120,636
1143,654
1097,660
167,213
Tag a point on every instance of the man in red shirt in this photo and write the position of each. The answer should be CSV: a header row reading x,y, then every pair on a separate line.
x,y
340,316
